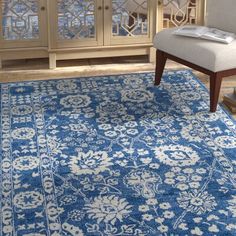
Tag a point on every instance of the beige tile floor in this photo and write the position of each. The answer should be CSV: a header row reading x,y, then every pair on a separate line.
x,y
37,69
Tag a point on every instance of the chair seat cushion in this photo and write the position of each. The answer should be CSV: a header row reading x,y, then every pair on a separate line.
x,y
207,54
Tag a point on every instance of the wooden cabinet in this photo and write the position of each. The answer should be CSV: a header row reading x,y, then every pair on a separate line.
x,y
23,29
74,29
99,28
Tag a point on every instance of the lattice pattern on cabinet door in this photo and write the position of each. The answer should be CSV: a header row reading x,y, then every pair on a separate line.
x,y
130,18
76,19
179,12
20,20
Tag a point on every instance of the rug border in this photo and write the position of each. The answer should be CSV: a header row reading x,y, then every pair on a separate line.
x,y
230,116
220,104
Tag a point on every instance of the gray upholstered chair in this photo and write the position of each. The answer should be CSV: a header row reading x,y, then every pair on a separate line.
x,y
214,59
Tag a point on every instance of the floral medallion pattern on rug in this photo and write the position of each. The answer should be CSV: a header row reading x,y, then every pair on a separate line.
x,y
116,156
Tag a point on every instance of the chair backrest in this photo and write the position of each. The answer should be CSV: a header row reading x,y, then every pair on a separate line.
x,y
221,14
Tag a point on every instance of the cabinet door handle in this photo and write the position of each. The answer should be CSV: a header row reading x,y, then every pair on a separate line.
x,y
99,8
106,7
43,8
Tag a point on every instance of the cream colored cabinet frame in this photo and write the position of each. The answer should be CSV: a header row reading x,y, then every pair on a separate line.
x,y
43,37
104,45
109,39
56,43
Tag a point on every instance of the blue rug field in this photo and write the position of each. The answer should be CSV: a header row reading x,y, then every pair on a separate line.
x,y
115,156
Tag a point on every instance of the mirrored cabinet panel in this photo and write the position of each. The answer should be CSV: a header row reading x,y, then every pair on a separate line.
x,y
76,19
23,23
20,19
179,12
130,18
129,21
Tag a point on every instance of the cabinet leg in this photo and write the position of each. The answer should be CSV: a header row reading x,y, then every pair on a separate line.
x,y
52,61
0,62
152,55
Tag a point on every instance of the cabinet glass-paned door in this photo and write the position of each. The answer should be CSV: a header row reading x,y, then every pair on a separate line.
x,y
77,23
76,19
178,13
130,20
21,22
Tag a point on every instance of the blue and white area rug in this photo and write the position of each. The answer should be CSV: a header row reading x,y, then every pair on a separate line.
x,y
116,156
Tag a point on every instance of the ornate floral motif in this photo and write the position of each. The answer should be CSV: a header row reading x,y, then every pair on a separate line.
x,y
111,109
26,163
206,116
108,209
28,200
177,155
137,95
191,133
144,182
226,141
22,110
190,96
90,163
66,85
197,202
23,133
75,101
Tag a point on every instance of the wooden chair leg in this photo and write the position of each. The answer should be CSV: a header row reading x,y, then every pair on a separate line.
x,y
0,62
160,65
215,85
